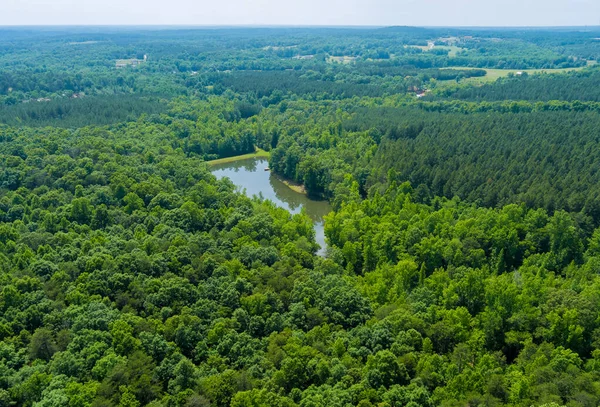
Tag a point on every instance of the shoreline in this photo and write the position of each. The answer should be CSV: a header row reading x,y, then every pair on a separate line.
x,y
259,153
294,186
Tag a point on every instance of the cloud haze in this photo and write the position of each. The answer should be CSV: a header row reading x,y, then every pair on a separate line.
x,y
302,12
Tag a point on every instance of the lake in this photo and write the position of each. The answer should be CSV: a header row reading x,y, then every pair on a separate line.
x,y
250,176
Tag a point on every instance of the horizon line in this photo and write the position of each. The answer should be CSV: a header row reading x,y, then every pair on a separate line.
x,y
111,25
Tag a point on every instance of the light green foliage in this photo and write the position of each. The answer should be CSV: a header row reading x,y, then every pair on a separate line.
x,y
463,252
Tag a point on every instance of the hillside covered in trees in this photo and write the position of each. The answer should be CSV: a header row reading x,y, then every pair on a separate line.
x,y
463,248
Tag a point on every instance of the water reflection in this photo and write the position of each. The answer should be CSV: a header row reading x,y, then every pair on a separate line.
x,y
250,175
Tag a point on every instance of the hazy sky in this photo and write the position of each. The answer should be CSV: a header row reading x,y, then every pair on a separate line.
x,y
302,12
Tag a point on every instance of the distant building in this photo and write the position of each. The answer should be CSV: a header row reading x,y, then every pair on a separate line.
x,y
422,93
123,63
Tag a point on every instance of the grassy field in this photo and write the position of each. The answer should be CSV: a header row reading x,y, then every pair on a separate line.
x,y
341,60
453,50
494,74
421,47
257,154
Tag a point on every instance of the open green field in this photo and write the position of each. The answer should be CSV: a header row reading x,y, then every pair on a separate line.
x,y
341,60
421,47
453,50
494,74
259,153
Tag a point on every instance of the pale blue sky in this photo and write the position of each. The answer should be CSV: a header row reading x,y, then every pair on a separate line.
x,y
302,12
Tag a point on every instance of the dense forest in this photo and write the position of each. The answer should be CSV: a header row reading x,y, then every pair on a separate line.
x,y
463,249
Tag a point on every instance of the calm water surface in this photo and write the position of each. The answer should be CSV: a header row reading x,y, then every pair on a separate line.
x,y
250,175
